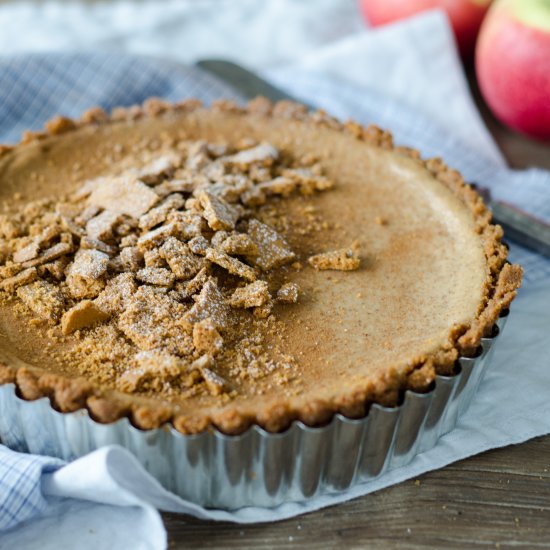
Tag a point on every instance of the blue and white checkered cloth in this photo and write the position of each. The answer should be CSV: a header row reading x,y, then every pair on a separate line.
x,y
34,87
20,485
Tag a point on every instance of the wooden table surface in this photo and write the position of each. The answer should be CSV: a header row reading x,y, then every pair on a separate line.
x,y
499,499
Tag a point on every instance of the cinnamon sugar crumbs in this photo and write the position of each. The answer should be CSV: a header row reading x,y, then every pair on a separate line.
x,y
159,274
154,320
264,154
214,382
123,195
10,284
233,266
219,214
288,293
206,337
273,251
29,252
52,253
252,295
210,304
199,245
344,259
239,244
154,369
101,227
43,298
181,260
83,315
193,286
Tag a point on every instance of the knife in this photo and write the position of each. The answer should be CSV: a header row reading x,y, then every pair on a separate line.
x,y
521,227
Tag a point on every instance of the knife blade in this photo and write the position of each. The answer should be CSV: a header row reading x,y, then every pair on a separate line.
x,y
519,226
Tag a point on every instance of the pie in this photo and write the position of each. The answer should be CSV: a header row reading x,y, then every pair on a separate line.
x,y
228,266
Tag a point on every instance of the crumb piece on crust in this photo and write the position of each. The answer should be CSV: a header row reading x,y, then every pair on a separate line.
x,y
29,252
158,276
219,214
344,259
253,295
89,264
22,278
43,298
197,282
263,311
152,258
128,240
158,168
81,287
233,266
174,186
253,196
188,223
273,251
153,369
101,227
87,214
206,337
210,304
288,293
214,382
123,195
199,245
307,180
96,244
239,244
56,268
153,320
83,315
131,258
117,294
52,253
264,154
278,186
157,236
183,263
72,227
158,215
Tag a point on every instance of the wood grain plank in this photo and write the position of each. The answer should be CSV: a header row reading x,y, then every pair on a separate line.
x,y
487,501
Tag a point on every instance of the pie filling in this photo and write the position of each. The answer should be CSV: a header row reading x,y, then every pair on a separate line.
x,y
223,267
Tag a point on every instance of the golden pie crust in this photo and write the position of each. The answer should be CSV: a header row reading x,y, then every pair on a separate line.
x,y
345,363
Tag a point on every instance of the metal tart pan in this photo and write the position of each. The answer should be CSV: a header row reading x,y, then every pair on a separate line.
x,y
258,468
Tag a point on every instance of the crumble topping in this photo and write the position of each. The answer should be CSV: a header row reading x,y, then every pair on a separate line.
x,y
43,298
162,275
344,259
83,315
252,295
288,293
123,195
206,337
11,283
273,251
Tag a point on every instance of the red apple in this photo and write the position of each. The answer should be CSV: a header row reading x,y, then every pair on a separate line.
x,y
513,64
465,16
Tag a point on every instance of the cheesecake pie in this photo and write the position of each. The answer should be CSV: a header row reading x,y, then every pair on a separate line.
x,y
228,266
